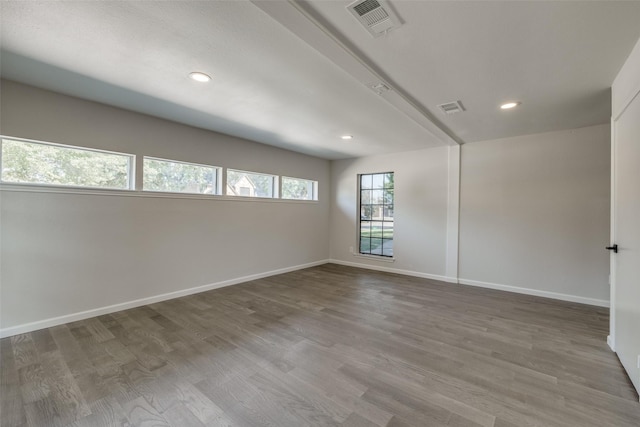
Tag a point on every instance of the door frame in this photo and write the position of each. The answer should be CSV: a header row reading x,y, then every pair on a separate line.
x,y
615,147
611,338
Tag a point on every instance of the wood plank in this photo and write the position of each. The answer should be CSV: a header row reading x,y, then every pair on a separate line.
x,y
12,411
141,413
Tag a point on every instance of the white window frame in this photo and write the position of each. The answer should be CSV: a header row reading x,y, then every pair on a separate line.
x,y
131,170
218,190
276,184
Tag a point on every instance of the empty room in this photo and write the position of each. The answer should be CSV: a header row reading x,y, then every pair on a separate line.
x,y
320,213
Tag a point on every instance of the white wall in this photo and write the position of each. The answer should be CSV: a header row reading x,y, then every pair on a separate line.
x,y
534,214
423,226
64,252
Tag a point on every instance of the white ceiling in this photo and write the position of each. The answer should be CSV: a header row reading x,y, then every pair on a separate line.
x,y
296,75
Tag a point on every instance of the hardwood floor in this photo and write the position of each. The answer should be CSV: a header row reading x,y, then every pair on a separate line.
x,y
325,346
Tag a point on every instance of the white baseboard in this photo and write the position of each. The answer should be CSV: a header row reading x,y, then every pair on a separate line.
x,y
610,343
536,292
507,288
395,270
55,321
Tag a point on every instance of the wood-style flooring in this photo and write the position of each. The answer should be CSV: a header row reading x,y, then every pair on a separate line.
x,y
325,346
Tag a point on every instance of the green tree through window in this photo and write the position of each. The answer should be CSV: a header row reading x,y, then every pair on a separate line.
x,y
298,189
179,177
39,163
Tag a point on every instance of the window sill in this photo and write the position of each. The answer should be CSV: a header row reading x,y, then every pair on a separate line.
x,y
375,257
43,188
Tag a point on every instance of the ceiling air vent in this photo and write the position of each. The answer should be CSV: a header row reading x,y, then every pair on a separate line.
x,y
451,107
375,15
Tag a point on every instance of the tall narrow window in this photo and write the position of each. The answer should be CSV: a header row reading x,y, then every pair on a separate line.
x,y
179,177
376,214
34,162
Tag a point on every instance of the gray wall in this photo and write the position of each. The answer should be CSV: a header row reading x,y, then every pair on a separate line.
x,y
421,196
65,252
534,212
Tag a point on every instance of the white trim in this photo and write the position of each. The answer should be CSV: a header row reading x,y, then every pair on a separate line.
x,y
133,177
217,169
374,257
536,292
73,147
54,321
41,188
359,189
453,210
506,288
395,270
627,103
294,17
161,159
275,188
131,167
611,339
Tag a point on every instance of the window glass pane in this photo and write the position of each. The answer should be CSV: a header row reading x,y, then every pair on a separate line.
x,y
377,197
365,197
365,245
388,197
298,189
387,247
378,180
388,212
178,177
387,230
365,181
365,229
250,184
41,163
388,180
365,212
376,229
376,246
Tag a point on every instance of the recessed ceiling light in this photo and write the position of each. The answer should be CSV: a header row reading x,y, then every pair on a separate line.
x,y
510,105
347,137
199,77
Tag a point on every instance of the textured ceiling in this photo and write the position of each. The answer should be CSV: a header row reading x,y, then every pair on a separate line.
x,y
295,75
559,58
